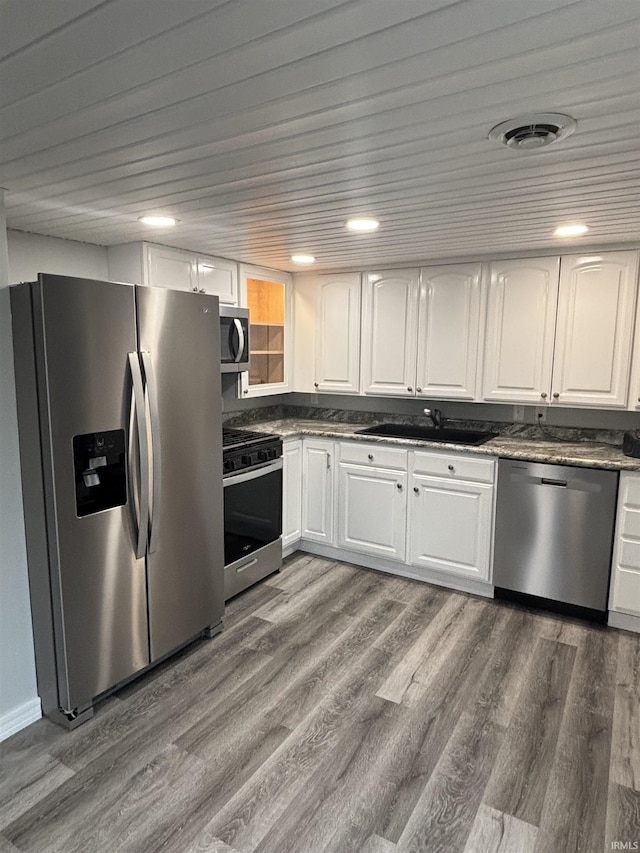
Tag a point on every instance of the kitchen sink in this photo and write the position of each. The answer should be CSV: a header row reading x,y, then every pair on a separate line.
x,y
427,433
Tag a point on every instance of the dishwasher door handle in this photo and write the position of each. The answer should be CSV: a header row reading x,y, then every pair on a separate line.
x,y
545,481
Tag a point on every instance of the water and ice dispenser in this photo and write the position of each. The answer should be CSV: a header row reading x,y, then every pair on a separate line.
x,y
99,460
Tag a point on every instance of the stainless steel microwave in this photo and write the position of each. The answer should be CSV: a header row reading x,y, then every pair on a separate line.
x,y
234,339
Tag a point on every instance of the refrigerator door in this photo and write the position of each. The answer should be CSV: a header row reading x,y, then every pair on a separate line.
x,y
84,331
179,340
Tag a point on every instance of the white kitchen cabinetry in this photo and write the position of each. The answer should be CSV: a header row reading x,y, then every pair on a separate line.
x,y
291,492
624,597
420,332
595,329
521,317
317,490
267,295
389,330
337,362
161,266
448,327
561,334
451,514
372,506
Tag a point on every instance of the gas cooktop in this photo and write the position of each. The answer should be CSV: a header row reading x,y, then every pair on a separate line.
x,y
243,437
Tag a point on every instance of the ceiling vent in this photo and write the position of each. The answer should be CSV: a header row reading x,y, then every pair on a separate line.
x,y
528,133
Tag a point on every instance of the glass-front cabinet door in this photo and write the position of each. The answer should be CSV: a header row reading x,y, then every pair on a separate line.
x,y
267,295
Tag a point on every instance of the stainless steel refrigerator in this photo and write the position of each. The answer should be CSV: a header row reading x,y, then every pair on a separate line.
x,y
119,414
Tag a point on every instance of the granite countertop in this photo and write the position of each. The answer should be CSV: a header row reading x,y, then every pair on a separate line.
x,y
584,453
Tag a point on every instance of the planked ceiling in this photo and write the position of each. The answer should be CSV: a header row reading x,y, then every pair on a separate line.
x,y
263,124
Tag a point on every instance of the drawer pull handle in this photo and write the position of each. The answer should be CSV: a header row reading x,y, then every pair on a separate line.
x,y
451,468
370,457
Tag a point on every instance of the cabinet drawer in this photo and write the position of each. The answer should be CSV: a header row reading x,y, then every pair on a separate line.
x,y
454,466
376,455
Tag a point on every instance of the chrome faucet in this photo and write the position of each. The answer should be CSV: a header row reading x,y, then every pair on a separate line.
x,y
435,415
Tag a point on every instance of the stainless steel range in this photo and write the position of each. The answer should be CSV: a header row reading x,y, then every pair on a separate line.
x,y
252,480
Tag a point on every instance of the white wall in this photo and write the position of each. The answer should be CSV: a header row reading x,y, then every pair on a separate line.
x,y
22,257
30,254
19,703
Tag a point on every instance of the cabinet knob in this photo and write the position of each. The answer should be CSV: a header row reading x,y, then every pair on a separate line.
x,y
409,388
195,289
639,399
399,486
556,396
416,490
246,391
202,290
544,395
419,390
370,457
451,468
315,384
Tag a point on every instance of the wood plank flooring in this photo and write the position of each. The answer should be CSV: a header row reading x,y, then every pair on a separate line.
x,y
345,710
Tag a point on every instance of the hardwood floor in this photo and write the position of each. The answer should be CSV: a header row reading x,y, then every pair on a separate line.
x,y
346,710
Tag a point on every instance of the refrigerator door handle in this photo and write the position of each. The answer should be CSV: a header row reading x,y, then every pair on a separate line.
x,y
240,334
141,521
156,450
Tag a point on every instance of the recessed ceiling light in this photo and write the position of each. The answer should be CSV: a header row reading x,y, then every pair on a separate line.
x,y
570,230
302,259
158,221
364,224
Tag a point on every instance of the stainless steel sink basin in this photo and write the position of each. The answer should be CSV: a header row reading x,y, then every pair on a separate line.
x,y
426,433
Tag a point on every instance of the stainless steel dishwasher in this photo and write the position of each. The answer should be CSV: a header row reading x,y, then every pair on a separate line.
x,y
554,533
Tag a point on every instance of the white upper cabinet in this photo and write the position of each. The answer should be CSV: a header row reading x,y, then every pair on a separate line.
x,y
561,332
521,317
267,295
389,329
337,356
595,329
161,266
448,326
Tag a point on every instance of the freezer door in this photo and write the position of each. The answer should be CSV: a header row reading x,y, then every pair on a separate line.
x,y
83,332
180,347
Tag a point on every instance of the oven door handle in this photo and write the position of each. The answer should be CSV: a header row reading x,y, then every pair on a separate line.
x,y
254,473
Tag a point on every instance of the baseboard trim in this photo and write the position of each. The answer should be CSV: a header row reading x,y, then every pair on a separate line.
x,y
401,569
626,621
20,718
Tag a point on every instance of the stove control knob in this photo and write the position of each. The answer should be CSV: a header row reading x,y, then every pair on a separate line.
x,y
262,455
246,459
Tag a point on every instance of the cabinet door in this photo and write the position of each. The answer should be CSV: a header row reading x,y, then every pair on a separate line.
x,y
389,333
338,334
267,295
171,268
291,492
450,526
317,490
625,573
448,327
521,315
595,329
218,277
372,511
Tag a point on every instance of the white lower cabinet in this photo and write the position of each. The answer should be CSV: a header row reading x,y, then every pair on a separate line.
x,y
372,510
291,492
451,524
317,490
625,574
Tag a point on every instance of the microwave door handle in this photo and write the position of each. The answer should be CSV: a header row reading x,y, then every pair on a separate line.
x,y
156,450
141,519
240,333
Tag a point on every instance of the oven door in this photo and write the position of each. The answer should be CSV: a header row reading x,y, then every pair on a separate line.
x,y
252,510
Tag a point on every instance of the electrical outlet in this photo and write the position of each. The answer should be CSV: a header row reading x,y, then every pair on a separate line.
x,y
518,414
541,415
